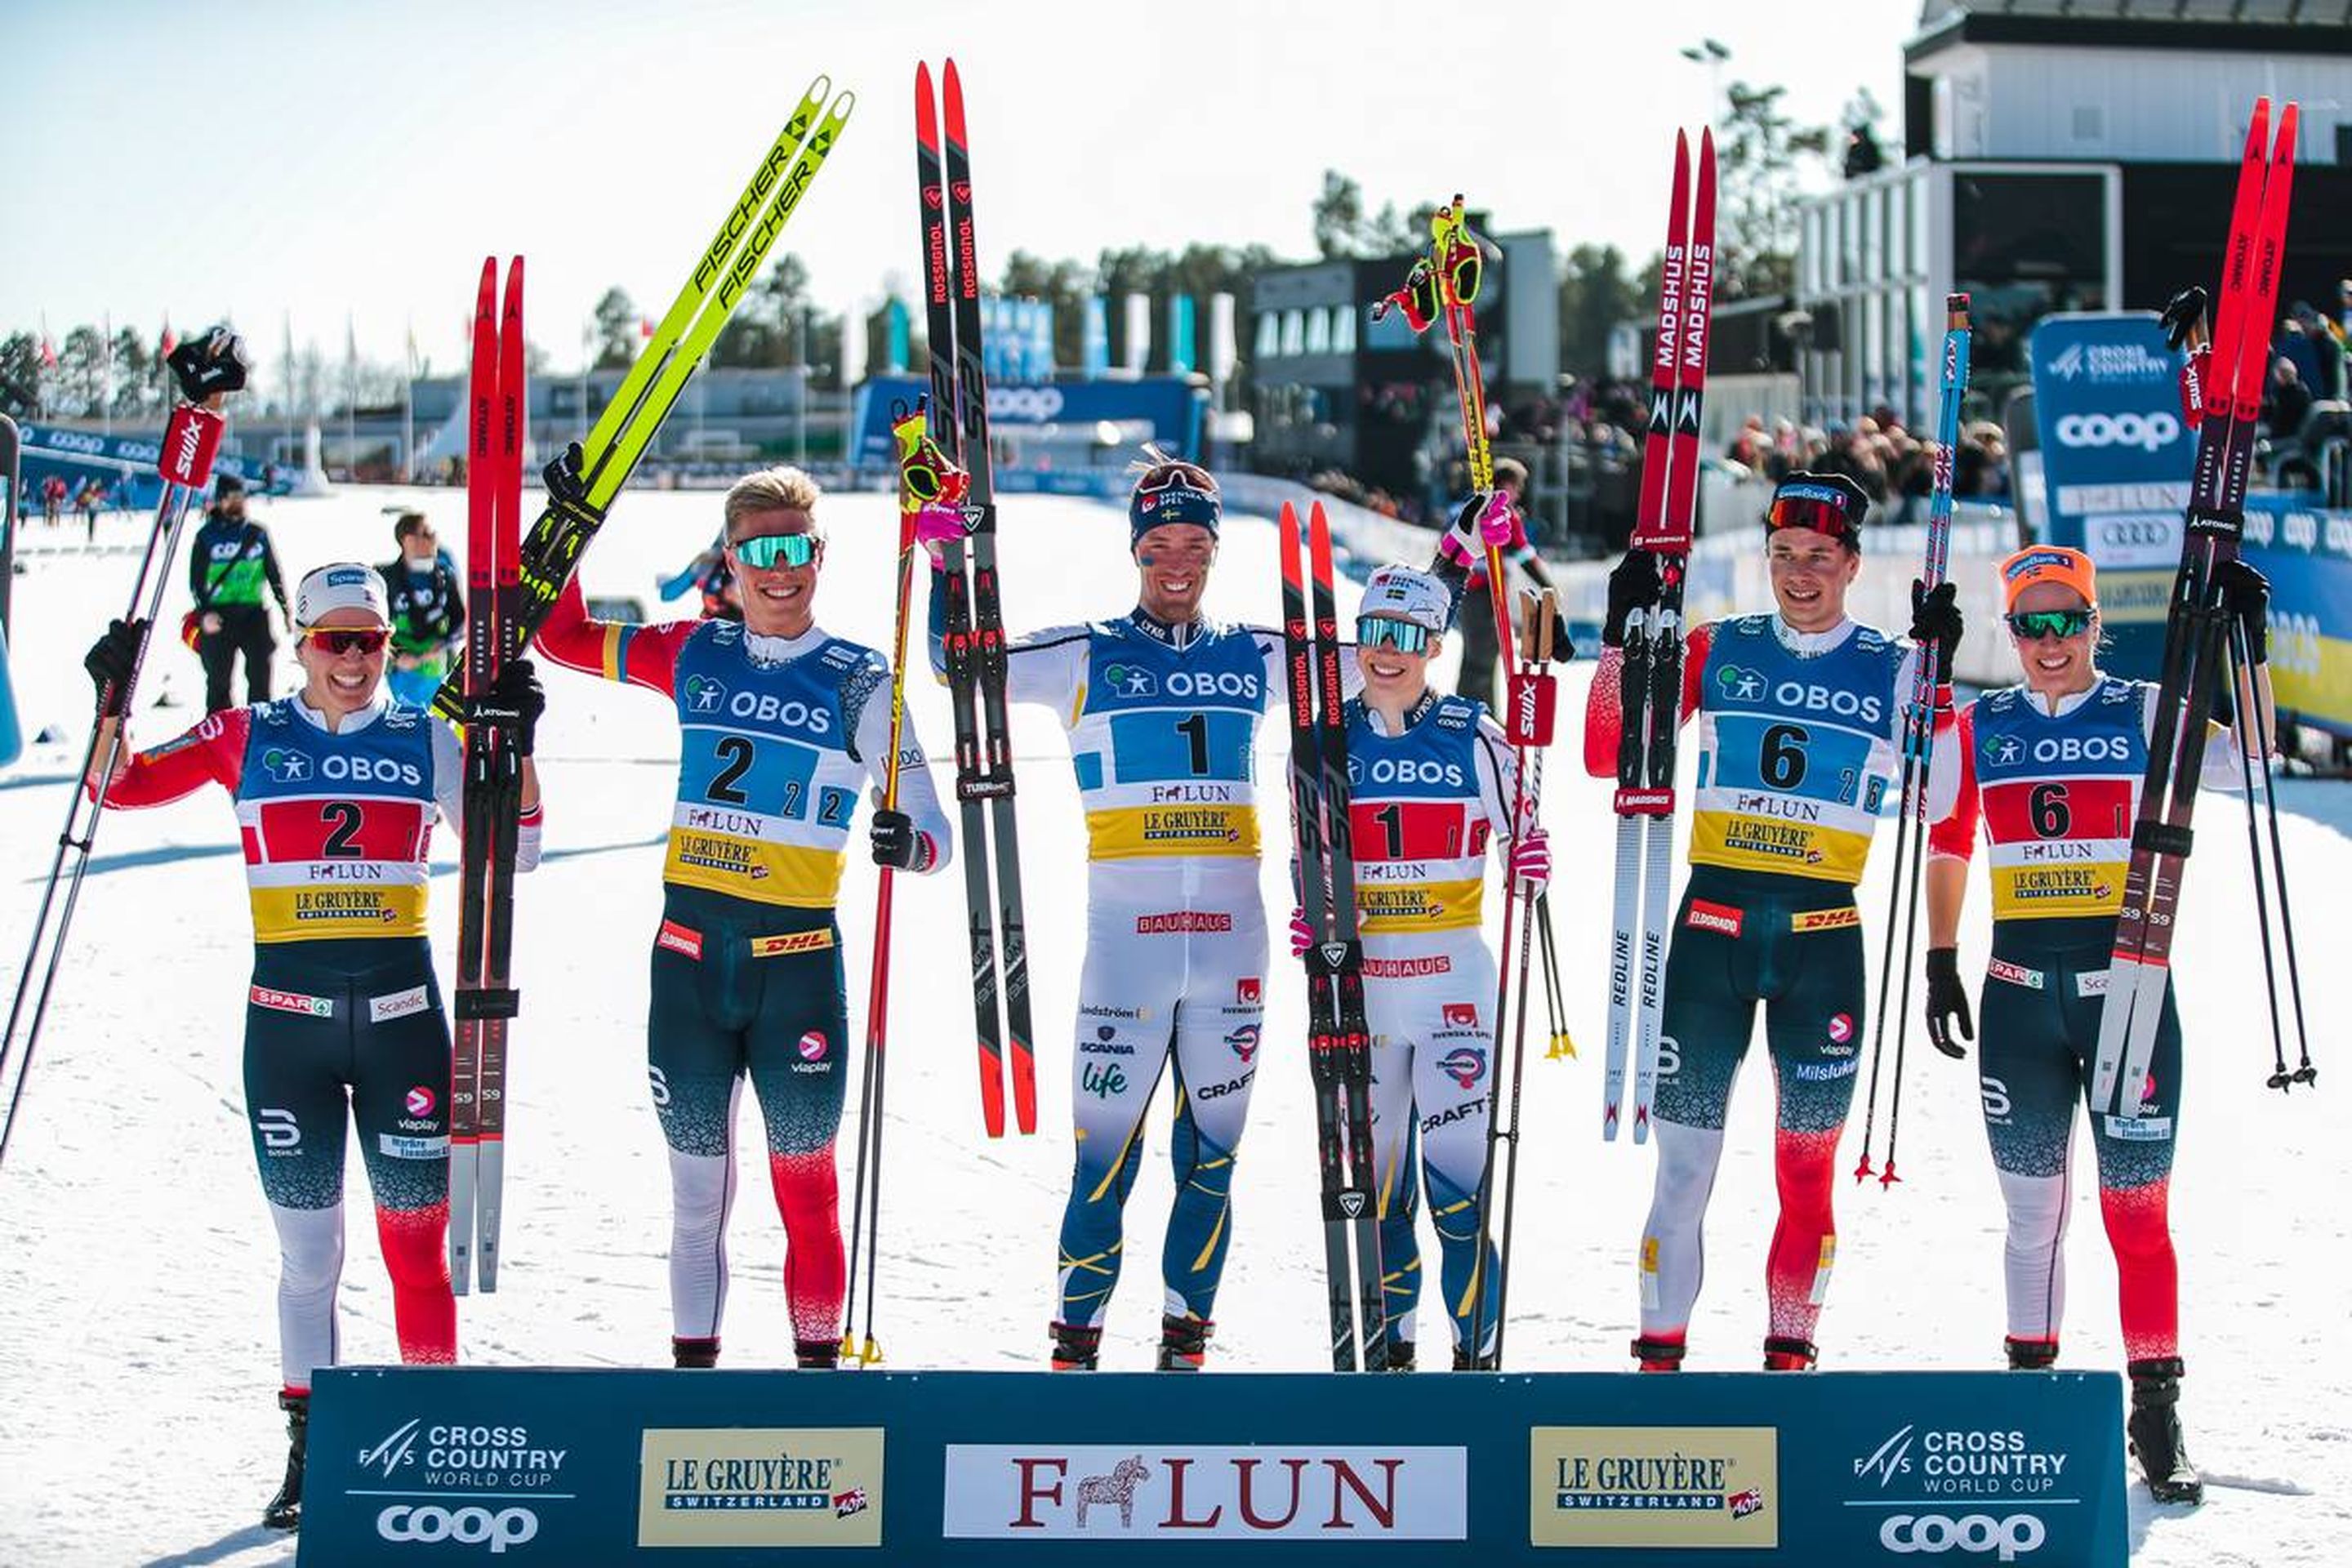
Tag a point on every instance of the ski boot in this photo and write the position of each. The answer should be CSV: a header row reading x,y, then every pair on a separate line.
x,y
2154,1427
1659,1355
816,1354
1402,1356
285,1509
1465,1362
1183,1342
1782,1353
1076,1349
2031,1355
694,1352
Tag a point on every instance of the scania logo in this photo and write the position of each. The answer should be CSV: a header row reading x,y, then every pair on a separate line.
x,y
2146,431
469,1526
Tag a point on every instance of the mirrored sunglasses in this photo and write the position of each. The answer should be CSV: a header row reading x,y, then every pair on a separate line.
x,y
2029,624
770,550
340,640
1385,631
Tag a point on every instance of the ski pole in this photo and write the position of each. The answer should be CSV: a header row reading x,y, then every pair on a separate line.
x,y
1562,1044
207,368
2243,682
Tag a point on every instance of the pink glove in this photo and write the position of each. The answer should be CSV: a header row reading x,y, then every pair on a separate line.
x,y
1483,520
1302,935
934,526
1531,860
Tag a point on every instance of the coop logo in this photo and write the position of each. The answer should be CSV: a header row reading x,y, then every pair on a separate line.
x,y
1131,680
1464,1064
2007,1538
1005,1491
469,1526
2146,431
703,695
1025,405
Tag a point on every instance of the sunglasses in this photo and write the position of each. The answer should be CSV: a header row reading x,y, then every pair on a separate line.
x,y
342,641
1384,631
2029,624
770,550
1804,512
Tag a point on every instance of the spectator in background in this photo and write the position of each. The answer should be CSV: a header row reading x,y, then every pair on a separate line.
x,y
229,565
1748,448
2285,400
1475,614
427,612
2325,379
1980,462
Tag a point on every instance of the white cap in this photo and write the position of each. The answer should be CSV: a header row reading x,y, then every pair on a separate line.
x,y
341,585
1404,594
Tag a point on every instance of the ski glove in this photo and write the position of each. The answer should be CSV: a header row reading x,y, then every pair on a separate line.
x,y
934,526
209,364
1936,624
512,705
1948,1003
567,487
1302,935
2246,594
1481,523
898,845
1531,861
111,660
1633,585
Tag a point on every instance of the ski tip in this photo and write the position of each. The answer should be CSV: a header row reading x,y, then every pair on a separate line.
x,y
514,287
951,92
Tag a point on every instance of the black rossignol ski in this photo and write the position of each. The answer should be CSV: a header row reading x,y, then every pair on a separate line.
x,y
580,493
206,367
975,616
2197,624
1338,1043
485,998
1650,687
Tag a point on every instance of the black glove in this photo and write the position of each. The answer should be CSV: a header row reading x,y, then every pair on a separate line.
x,y
1948,1003
209,364
2183,312
512,704
2246,594
896,844
111,660
567,484
1936,624
1633,585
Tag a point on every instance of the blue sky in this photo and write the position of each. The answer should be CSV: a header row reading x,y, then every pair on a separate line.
x,y
262,158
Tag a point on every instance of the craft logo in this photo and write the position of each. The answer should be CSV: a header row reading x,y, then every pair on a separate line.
x,y
756,1486
1460,1014
703,694
1243,1041
1654,1486
1963,1462
1247,991
1464,1064
421,1101
1131,680
433,1456
1049,1491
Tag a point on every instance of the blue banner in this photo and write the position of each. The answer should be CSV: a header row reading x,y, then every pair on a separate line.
x,y
1180,333
413,1466
78,457
1158,408
2116,461
894,334
2306,553
1097,337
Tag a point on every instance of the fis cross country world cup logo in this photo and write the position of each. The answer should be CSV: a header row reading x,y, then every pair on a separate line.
x,y
1131,680
284,766
1740,685
1466,1065
703,694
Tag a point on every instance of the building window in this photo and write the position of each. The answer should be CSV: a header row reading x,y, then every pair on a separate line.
x,y
1343,329
1269,335
1294,333
1319,330
1808,253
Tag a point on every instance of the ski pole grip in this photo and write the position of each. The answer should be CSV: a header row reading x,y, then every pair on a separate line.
x,y
1532,702
190,442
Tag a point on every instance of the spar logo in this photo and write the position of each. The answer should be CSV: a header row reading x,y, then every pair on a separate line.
x,y
1138,1493
703,694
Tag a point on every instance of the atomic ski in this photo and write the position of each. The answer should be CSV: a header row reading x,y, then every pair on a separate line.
x,y
975,616
1650,683
579,493
1338,1043
2197,626
497,420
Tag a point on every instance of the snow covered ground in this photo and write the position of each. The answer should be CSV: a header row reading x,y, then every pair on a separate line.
x,y
137,1345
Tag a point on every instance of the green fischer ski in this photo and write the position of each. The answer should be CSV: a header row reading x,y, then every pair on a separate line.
x,y
583,483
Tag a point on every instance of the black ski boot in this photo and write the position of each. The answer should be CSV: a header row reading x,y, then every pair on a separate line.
x,y
1076,1349
816,1354
694,1352
1184,1342
1402,1357
285,1509
1784,1354
2154,1427
2031,1355
1465,1362
1659,1355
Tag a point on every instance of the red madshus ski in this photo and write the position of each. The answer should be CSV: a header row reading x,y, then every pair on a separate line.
x,y
976,620
485,998
1650,684
1339,1042
2197,626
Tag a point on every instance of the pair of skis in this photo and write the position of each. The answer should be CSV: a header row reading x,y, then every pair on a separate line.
x,y
580,493
2202,638
498,423
1650,684
1339,1042
975,618
1919,752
